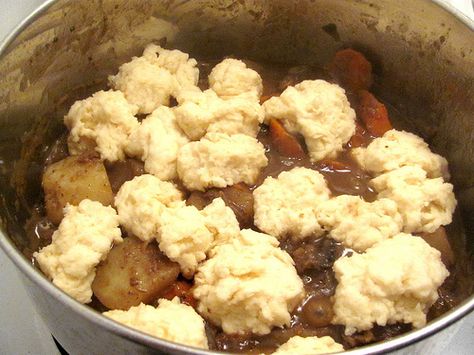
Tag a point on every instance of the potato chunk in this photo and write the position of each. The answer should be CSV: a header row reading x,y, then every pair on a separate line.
x,y
134,272
72,180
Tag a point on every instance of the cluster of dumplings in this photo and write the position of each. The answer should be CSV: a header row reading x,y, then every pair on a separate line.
x,y
243,281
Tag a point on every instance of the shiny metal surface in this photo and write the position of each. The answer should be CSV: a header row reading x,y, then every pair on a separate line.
x,y
423,58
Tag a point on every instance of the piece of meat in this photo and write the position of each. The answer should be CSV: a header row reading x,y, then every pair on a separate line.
x,y
376,334
351,69
237,343
313,253
134,272
390,331
373,113
358,339
238,197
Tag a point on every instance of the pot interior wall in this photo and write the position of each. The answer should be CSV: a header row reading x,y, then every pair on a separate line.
x,y
423,59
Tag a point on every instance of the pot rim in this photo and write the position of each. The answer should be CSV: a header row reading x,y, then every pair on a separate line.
x,y
136,336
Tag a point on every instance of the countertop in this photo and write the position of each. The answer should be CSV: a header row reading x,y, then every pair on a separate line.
x,y
23,331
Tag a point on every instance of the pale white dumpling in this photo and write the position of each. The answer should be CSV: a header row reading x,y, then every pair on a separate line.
x,y
231,78
220,160
425,204
184,237
394,281
309,346
83,239
151,80
171,320
200,112
105,120
236,287
140,203
319,111
287,205
157,141
396,149
359,224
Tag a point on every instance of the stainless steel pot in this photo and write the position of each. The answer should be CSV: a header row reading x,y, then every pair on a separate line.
x,y
424,59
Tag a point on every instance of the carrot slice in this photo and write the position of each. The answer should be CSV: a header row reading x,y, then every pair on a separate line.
x,y
334,165
373,113
351,69
285,143
181,289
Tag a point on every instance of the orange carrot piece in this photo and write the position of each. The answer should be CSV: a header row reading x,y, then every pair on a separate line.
x,y
181,289
373,113
334,165
285,143
352,70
